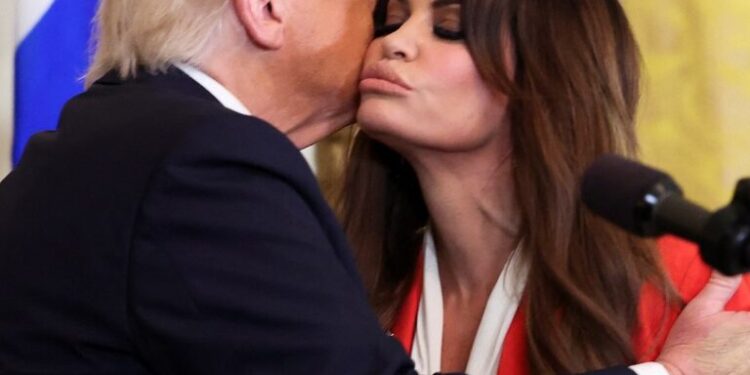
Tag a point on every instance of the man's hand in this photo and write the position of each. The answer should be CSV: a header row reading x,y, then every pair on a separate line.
x,y
706,339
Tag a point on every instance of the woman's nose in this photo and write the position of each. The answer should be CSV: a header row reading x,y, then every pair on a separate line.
x,y
401,44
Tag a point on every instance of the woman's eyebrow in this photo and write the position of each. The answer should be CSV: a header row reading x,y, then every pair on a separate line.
x,y
403,3
442,3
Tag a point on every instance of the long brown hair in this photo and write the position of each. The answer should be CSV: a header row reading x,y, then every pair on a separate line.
x,y
572,97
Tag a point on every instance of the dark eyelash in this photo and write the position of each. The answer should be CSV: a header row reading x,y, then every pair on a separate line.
x,y
440,32
446,34
386,29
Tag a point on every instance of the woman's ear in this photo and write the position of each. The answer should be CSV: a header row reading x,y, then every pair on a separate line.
x,y
263,21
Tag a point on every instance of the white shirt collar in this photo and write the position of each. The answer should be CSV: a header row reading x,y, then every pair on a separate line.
x,y
226,98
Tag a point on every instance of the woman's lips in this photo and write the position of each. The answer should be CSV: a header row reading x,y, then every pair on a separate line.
x,y
380,78
381,86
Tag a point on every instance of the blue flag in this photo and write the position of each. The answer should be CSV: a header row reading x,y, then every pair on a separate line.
x,y
51,58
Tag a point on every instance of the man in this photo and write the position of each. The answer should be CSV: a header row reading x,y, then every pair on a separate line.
x,y
162,229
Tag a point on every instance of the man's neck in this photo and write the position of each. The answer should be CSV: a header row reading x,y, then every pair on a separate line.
x,y
272,96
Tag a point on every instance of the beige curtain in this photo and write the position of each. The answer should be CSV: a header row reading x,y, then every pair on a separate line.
x,y
695,113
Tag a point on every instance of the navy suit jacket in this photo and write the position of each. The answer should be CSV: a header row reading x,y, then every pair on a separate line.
x,y
157,232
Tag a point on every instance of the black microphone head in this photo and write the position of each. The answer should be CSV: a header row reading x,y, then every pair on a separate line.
x,y
624,192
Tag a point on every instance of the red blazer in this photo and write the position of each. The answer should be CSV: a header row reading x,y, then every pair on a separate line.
x,y
683,264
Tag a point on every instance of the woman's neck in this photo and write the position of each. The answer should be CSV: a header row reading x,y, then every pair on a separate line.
x,y
474,217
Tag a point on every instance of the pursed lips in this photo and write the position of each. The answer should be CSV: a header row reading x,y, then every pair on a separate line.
x,y
382,78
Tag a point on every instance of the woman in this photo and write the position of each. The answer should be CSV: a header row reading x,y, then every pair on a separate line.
x,y
478,118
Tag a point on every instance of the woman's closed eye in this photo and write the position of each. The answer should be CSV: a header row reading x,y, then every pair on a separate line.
x,y
442,31
446,19
383,30
447,22
395,16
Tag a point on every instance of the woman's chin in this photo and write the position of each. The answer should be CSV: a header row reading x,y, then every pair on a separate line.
x,y
370,117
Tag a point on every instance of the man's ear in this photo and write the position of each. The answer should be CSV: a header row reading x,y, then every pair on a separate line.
x,y
263,21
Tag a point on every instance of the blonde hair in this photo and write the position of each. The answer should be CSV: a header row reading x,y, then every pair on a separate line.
x,y
152,34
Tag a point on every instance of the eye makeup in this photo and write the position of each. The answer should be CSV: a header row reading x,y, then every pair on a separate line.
x,y
447,20
446,14
394,14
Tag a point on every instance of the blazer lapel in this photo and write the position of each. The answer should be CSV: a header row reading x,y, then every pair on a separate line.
x,y
405,323
513,357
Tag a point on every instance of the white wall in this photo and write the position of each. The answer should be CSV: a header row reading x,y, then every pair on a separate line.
x,y
7,52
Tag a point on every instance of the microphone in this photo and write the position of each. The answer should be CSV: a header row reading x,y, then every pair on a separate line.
x,y
639,199
648,203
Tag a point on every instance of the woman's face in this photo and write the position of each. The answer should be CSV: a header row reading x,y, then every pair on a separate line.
x,y
420,87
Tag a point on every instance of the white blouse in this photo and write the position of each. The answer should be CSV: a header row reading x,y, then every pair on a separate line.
x,y
496,319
